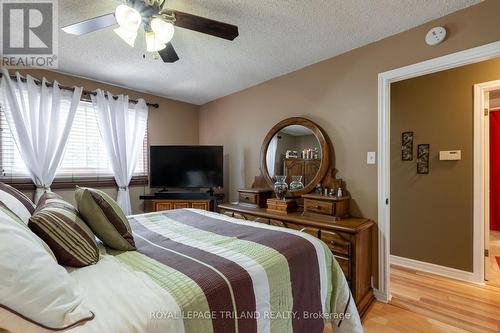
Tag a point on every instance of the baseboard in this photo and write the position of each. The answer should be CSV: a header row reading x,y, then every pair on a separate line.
x,y
448,272
381,296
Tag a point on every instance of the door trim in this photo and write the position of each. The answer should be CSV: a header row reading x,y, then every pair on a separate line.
x,y
385,79
481,170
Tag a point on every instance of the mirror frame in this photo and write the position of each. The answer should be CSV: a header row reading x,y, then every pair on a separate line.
x,y
325,153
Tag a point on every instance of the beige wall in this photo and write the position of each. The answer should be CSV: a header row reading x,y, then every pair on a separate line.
x,y
172,123
431,215
340,94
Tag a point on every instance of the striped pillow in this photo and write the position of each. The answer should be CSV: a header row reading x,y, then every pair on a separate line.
x,y
52,199
71,240
105,218
17,202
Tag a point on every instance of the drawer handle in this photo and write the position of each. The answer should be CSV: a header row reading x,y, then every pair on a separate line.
x,y
317,207
247,198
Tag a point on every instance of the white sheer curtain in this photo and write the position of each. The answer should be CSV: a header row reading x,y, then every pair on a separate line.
x,y
122,129
271,156
40,118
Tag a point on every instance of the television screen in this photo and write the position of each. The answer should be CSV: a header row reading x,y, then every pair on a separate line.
x,y
186,166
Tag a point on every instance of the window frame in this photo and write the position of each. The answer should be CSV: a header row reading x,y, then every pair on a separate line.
x,y
69,182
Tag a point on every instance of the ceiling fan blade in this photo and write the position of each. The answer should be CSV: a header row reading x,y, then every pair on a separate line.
x,y
206,26
168,54
91,25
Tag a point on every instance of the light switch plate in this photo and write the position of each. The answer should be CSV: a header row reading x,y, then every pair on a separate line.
x,y
371,157
450,155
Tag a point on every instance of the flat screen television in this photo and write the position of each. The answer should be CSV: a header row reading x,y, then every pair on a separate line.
x,y
186,166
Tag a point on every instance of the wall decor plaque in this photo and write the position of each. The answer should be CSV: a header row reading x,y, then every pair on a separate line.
x,y
407,146
423,152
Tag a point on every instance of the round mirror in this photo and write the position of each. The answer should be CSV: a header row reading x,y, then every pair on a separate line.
x,y
295,151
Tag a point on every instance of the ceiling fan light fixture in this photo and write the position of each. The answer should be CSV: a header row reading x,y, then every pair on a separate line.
x,y
129,36
128,17
153,44
164,30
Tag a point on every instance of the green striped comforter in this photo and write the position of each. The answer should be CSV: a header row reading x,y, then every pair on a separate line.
x,y
229,275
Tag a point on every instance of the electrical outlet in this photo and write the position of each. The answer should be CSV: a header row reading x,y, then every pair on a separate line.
x,y
371,157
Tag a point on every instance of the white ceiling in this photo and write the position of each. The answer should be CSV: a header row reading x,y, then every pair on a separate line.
x,y
276,37
297,130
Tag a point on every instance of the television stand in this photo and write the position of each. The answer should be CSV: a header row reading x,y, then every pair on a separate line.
x,y
177,200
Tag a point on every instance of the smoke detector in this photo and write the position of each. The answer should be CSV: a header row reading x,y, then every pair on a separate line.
x,y
435,36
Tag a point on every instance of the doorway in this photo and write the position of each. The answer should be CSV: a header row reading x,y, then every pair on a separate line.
x,y
491,100
385,79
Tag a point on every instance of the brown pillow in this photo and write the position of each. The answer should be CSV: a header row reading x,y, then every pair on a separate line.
x,y
59,224
17,202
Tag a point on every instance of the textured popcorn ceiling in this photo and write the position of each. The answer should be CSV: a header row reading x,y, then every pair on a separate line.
x,y
276,37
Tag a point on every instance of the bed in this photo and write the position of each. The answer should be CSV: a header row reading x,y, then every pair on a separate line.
x,y
197,271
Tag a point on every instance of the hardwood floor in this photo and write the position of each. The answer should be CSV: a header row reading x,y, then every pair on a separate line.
x,y
431,304
493,264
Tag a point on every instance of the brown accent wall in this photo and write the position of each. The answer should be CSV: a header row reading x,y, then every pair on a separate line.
x,y
340,94
172,123
431,215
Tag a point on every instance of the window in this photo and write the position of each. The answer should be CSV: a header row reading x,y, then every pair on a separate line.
x,y
84,157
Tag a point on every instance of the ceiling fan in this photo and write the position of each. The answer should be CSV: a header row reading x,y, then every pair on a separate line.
x,y
158,23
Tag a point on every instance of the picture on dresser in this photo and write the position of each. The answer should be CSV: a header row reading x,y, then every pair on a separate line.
x,y
423,152
407,146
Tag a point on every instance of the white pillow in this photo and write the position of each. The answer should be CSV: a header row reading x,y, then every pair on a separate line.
x,y
36,294
17,202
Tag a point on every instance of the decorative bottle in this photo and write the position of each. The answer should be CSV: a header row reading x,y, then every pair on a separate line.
x,y
296,183
280,187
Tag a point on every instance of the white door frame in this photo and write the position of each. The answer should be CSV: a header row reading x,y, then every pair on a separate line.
x,y
481,160
385,79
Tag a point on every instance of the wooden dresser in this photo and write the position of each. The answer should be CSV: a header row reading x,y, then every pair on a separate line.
x,y
349,239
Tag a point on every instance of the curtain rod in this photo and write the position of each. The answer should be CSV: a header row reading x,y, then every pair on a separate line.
x,y
84,92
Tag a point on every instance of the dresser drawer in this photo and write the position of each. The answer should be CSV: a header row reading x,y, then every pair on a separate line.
x,y
309,230
226,212
239,216
248,198
345,265
261,220
317,206
277,223
337,243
